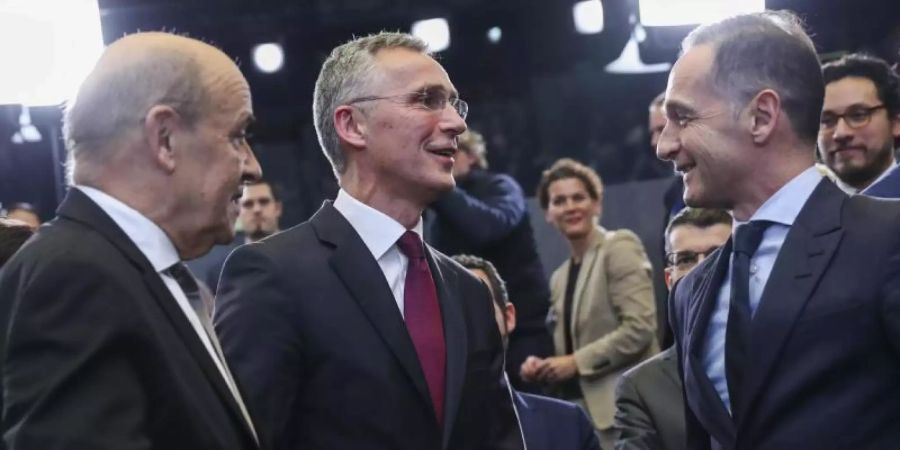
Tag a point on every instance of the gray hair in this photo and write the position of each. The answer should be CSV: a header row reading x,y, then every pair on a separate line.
x,y
767,50
114,100
345,73
499,293
472,142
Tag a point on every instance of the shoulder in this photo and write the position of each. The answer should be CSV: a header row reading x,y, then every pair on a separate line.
x,y
549,407
649,369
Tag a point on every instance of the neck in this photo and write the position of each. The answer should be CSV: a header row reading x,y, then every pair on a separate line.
x,y
401,208
579,246
769,177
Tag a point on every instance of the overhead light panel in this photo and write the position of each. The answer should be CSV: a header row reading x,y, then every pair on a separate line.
x,y
494,35
268,57
47,47
692,12
629,61
435,33
588,16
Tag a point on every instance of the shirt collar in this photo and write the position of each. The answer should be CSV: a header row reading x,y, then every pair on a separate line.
x,y
784,206
149,238
377,230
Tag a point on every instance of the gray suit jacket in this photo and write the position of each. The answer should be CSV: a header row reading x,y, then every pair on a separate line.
x,y
650,406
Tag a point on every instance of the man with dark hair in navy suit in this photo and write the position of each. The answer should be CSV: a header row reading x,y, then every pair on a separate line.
x,y
860,124
547,423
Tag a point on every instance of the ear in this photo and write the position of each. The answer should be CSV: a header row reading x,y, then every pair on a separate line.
x,y
350,125
278,206
509,315
160,126
764,114
667,274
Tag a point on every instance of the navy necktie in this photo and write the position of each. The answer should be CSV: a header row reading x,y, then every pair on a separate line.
x,y
737,333
422,314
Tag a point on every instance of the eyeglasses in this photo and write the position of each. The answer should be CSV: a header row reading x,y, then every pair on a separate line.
x,y
430,99
686,260
263,202
855,117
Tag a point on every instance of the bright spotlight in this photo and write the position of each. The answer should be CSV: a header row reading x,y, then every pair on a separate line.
x,y
47,48
588,16
494,35
435,33
691,12
268,57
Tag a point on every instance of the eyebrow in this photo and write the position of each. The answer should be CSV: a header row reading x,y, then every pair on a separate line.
x,y
247,120
858,105
438,87
674,106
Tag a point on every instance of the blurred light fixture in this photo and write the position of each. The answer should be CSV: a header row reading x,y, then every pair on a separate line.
x,y
27,131
435,33
689,12
629,61
268,57
494,35
588,16
47,47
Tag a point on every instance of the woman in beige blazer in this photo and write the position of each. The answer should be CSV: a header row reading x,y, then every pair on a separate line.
x,y
609,322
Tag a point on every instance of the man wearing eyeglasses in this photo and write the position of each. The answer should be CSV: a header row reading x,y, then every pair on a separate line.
x,y
346,331
649,404
860,122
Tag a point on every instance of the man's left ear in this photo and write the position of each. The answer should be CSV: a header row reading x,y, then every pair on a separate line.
x,y
765,112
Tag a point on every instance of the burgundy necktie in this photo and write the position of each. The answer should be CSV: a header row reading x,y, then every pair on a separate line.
x,y
423,319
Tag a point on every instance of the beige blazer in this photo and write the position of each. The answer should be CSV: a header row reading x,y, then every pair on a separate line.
x,y
613,316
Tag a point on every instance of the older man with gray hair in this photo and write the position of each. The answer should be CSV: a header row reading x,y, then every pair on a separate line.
x,y
788,335
346,330
106,341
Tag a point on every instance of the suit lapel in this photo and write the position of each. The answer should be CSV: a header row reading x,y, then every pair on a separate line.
x,y
803,258
702,395
354,265
79,207
455,339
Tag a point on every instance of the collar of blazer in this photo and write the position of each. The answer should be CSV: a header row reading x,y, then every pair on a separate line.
x,y
78,207
354,265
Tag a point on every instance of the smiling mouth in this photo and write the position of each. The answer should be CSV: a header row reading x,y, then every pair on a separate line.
x,y
445,152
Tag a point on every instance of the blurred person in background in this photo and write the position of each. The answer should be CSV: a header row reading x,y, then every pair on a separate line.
x,y
547,423
24,212
860,124
602,298
649,401
13,233
485,215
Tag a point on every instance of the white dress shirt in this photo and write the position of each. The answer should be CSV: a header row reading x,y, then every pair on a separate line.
x,y
380,233
781,209
156,246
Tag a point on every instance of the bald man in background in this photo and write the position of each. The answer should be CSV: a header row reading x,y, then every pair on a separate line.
x,y
105,340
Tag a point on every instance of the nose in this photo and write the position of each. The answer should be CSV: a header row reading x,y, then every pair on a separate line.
x,y
667,144
451,122
842,132
251,169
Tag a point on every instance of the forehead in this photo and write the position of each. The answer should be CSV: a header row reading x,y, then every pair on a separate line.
x,y
566,186
257,190
406,69
690,80
693,238
849,91
230,93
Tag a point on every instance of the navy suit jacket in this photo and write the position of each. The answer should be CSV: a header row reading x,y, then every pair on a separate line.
x,y
824,364
887,187
551,424
310,327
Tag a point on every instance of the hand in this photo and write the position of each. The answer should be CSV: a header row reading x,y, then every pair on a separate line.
x,y
556,369
528,371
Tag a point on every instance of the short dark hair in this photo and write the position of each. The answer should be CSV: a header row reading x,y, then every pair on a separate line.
x,y
876,70
12,236
498,287
698,217
568,168
276,191
766,50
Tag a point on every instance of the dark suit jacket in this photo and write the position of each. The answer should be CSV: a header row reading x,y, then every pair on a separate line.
x,y
551,424
887,187
310,326
96,354
650,406
824,367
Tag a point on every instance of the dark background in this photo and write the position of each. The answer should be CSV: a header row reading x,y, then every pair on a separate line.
x,y
538,95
